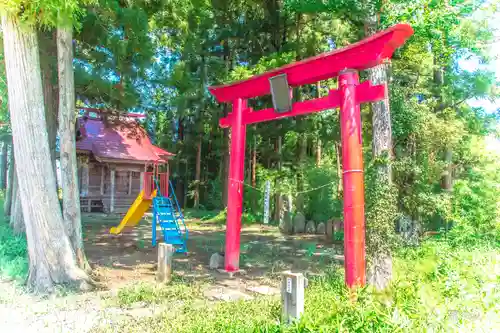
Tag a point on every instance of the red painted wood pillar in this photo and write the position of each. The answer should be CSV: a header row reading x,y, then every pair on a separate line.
x,y
235,187
352,164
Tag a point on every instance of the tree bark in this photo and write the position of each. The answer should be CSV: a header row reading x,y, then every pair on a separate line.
x,y
225,163
379,271
67,144
48,66
318,140
197,175
277,197
10,182
225,132
253,173
381,125
16,218
302,164
447,178
318,152
3,165
51,258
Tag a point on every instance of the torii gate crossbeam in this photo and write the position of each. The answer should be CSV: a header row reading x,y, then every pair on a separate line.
x,y
344,63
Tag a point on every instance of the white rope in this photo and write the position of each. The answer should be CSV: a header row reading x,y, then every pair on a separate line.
x,y
316,188
300,192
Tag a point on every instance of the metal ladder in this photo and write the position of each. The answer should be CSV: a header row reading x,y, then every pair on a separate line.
x,y
168,215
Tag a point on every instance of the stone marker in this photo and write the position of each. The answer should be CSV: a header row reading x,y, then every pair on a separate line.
x,y
299,223
320,229
285,223
338,226
311,227
217,260
329,231
292,296
165,254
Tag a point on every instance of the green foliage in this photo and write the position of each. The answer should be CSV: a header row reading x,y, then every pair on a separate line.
x,y
322,200
436,287
177,290
13,253
381,213
475,204
47,14
113,53
203,215
212,45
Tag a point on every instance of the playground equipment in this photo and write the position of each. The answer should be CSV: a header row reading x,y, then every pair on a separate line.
x,y
344,64
158,191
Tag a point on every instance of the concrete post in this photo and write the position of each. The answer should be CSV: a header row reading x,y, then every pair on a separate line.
x,y
165,254
292,296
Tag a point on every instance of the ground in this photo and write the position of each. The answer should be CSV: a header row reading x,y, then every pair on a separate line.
x,y
125,266
129,257
437,286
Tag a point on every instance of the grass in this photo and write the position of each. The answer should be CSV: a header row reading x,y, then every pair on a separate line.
x,y
147,294
218,217
203,215
436,288
13,252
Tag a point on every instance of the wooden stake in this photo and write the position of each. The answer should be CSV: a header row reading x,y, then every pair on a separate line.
x,y
165,254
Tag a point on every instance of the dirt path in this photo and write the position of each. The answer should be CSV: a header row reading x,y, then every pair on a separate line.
x,y
129,259
22,312
83,313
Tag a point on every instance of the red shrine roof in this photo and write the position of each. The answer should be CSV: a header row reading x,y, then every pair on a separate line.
x,y
128,141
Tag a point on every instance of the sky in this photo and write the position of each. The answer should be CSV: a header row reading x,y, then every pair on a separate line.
x,y
473,64
492,143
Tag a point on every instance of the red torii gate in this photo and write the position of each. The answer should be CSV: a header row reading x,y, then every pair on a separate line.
x,y
344,63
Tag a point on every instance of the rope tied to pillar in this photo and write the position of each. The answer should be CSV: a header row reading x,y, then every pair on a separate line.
x,y
299,192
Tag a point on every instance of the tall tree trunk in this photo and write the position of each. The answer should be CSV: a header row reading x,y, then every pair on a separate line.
x,y
318,152
318,139
10,182
225,132
48,66
301,124
253,172
3,164
16,218
278,199
180,185
379,272
197,175
447,174
51,258
381,122
447,177
201,130
225,160
69,168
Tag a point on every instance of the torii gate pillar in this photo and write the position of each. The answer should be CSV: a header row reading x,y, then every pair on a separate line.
x,y
352,177
235,188
344,64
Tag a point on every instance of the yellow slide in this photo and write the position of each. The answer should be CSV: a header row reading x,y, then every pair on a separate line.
x,y
134,213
